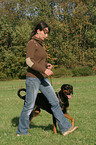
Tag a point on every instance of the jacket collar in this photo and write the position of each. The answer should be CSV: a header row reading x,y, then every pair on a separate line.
x,y
40,41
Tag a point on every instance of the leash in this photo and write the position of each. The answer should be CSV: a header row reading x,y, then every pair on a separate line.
x,y
57,93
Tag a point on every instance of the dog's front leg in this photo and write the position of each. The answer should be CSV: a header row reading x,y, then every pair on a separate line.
x,y
54,125
71,118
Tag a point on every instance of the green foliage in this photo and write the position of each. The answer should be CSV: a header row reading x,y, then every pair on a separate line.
x,y
82,71
10,65
21,34
5,33
3,76
91,36
72,40
61,71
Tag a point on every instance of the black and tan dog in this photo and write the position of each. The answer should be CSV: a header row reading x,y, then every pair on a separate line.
x,y
42,103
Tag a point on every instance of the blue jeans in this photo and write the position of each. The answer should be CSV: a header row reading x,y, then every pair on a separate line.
x,y
33,85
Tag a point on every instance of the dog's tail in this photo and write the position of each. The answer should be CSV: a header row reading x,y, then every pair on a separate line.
x,y
19,93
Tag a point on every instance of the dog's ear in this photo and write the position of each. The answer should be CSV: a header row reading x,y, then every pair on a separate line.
x,y
71,89
64,87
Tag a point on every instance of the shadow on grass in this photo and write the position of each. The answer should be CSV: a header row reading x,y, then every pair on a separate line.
x,y
49,127
15,122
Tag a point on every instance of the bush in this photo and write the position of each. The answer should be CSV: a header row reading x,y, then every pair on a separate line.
x,y
82,71
22,73
61,71
3,76
94,70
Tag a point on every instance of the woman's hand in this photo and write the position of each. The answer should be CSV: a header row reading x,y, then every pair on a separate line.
x,y
49,66
48,72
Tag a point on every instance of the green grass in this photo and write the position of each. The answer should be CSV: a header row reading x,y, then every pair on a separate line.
x,y
82,108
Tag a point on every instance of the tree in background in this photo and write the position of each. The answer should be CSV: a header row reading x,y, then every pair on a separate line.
x,y
71,43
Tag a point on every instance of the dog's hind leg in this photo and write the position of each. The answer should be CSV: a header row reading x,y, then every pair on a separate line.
x,y
54,125
34,113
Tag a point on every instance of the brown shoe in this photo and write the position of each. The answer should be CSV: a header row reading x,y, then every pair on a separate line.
x,y
70,130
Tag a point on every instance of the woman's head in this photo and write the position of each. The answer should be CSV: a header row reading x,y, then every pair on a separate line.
x,y
41,26
41,30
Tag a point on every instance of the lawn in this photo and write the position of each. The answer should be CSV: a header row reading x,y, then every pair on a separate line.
x,y
82,108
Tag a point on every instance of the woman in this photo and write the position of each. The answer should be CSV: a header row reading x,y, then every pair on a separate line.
x,y
36,79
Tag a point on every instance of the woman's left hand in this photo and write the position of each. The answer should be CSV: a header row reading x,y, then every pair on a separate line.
x,y
49,66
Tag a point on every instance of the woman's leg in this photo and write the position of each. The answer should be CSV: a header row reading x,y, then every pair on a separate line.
x,y
32,87
48,91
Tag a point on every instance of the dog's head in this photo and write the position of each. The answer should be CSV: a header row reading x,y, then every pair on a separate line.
x,y
67,89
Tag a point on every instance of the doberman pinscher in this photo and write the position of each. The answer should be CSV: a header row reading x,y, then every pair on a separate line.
x,y
42,103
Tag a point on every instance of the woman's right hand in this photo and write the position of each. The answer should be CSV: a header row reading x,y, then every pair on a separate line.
x,y
48,72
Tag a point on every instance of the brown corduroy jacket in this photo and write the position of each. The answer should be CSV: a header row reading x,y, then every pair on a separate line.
x,y
36,58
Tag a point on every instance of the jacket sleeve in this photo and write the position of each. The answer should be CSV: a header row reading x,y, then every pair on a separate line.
x,y
30,61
